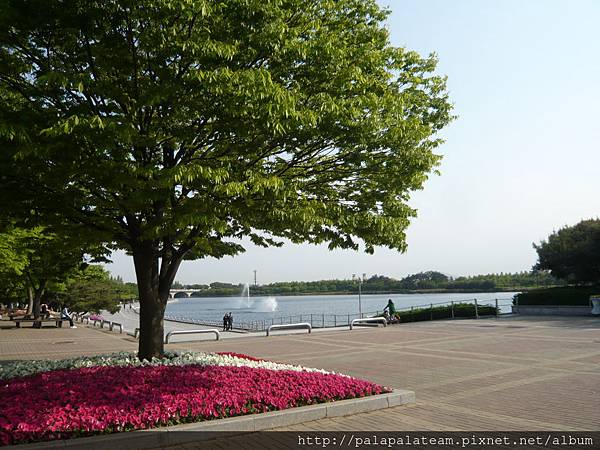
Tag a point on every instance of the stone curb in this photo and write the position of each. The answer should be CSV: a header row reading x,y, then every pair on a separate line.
x,y
180,434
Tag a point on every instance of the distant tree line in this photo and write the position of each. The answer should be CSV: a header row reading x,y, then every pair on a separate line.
x,y
423,281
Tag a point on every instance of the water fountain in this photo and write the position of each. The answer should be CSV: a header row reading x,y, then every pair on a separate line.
x,y
256,304
245,295
264,304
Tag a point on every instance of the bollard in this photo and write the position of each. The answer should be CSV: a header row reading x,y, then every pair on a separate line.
x,y
476,310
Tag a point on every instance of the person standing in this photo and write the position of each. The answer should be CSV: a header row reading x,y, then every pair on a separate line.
x,y
225,322
230,322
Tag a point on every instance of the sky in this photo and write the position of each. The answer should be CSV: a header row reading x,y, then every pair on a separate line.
x,y
520,161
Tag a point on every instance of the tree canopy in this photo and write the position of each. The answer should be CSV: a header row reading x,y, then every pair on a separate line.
x,y
171,128
572,253
33,259
92,289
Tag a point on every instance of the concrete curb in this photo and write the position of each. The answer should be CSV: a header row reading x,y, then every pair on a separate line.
x,y
180,434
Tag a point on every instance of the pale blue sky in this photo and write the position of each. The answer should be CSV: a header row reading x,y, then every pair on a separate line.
x,y
521,160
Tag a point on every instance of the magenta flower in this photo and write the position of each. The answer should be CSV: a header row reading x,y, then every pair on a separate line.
x,y
81,402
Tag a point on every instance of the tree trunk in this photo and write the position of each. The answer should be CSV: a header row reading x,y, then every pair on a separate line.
x,y
30,296
152,309
153,290
37,299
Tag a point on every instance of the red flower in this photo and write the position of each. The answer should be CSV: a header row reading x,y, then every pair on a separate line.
x,y
69,403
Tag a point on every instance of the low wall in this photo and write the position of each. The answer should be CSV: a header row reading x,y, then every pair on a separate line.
x,y
552,310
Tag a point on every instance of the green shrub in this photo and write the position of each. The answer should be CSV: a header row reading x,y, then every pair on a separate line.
x,y
444,312
566,296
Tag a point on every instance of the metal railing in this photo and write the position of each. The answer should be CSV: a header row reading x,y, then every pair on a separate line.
x,y
344,320
315,320
84,318
369,320
173,333
290,326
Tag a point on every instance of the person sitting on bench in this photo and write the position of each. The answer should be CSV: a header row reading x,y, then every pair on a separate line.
x,y
44,311
65,314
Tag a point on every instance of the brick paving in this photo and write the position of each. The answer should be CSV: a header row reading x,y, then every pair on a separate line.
x,y
504,374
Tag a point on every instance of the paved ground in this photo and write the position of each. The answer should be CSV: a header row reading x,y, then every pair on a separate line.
x,y
494,374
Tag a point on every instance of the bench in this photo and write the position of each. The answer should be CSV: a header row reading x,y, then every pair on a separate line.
x,y
368,321
39,322
173,333
289,326
115,324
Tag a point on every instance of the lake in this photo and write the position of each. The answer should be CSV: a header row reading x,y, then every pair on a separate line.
x,y
275,309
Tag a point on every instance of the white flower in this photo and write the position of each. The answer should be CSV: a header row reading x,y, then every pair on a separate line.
x,y
25,368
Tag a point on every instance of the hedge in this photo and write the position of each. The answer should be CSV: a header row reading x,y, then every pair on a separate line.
x,y
566,296
445,312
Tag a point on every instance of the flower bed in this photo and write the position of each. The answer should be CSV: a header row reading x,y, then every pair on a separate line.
x,y
84,401
25,368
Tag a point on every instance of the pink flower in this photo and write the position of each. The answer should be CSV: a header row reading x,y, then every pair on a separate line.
x,y
68,403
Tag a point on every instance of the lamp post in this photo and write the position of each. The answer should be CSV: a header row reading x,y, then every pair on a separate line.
x,y
360,282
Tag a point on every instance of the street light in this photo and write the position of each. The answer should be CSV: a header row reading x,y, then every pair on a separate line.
x,y
360,282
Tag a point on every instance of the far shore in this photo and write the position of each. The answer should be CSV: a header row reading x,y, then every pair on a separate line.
x,y
422,291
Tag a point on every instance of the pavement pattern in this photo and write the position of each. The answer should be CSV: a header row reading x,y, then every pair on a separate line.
x,y
491,374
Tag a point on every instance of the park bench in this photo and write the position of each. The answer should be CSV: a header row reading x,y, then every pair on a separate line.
x,y
39,322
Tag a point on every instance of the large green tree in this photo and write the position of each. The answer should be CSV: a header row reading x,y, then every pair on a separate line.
x,y
35,259
172,128
91,289
14,259
572,253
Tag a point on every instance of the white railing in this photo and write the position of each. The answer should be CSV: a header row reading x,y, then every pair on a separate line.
x,y
369,320
172,333
290,326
